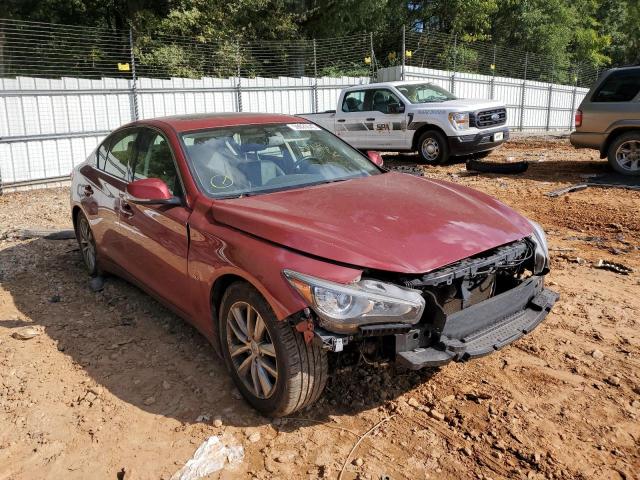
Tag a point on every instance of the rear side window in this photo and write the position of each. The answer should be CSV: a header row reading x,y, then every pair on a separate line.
x,y
620,86
120,155
353,102
101,156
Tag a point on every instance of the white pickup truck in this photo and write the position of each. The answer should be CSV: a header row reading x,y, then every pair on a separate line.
x,y
410,116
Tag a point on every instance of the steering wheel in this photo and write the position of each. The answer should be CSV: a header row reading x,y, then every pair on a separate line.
x,y
304,164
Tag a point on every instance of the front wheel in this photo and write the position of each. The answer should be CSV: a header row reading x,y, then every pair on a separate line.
x,y
270,363
624,154
433,147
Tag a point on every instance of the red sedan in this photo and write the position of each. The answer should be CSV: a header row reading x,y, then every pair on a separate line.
x,y
284,245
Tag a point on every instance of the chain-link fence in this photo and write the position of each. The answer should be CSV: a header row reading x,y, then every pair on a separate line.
x,y
449,52
63,88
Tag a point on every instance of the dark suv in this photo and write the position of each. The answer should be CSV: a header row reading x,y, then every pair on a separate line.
x,y
608,119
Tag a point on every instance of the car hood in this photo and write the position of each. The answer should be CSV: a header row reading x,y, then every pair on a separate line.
x,y
463,104
394,222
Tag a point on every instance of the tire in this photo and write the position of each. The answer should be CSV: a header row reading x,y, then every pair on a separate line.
x,y
434,139
624,154
301,369
87,244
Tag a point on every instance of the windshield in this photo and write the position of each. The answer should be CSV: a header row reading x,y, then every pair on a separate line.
x,y
425,93
253,159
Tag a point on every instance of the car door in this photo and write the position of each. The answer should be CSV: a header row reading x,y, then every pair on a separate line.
x,y
155,237
104,183
386,114
352,119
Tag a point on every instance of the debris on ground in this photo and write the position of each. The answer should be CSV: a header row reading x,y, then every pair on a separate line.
x,y
210,457
497,167
410,169
561,191
26,333
613,267
47,234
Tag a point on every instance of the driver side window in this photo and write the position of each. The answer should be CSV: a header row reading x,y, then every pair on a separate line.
x,y
381,99
155,160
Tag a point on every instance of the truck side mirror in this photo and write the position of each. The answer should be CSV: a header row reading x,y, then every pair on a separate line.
x,y
395,108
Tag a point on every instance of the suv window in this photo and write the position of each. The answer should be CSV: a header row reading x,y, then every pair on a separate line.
x,y
622,86
381,99
120,154
155,160
353,101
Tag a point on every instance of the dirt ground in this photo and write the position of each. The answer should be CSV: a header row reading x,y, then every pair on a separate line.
x,y
116,386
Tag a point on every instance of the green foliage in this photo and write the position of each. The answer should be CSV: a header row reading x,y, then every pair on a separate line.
x,y
562,36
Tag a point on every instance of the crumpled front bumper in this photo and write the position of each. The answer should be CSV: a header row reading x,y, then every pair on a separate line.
x,y
480,329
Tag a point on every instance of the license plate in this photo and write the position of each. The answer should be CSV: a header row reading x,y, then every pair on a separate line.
x,y
498,136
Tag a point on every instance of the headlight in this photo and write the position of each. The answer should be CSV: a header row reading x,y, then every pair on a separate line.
x,y
541,254
343,308
460,121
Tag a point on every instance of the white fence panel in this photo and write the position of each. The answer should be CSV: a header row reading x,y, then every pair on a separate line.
x,y
49,125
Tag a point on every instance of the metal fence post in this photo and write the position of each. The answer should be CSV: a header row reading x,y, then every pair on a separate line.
x,y
315,77
455,57
493,71
239,79
404,46
524,91
549,106
573,99
374,70
134,78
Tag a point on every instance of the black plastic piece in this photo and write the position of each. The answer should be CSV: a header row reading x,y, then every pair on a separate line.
x,y
482,328
384,329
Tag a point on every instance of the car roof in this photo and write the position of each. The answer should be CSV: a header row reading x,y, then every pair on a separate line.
x,y
201,121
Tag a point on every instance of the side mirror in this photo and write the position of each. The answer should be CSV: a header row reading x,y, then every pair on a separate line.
x,y
150,191
376,158
395,108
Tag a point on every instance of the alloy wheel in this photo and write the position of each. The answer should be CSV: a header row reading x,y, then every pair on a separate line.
x,y
628,155
251,350
87,244
430,149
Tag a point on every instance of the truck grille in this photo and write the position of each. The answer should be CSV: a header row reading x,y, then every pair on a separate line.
x,y
487,118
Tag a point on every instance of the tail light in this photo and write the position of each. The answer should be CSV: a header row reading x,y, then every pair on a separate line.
x,y
578,118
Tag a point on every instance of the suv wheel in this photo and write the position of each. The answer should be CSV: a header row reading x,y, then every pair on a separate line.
x,y
433,147
624,153
270,363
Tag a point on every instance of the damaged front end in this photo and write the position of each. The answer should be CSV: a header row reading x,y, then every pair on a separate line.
x,y
465,310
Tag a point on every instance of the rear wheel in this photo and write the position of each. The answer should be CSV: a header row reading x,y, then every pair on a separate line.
x,y
270,363
87,244
433,147
624,154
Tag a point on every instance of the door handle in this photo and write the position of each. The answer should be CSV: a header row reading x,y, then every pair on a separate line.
x,y
370,119
341,120
126,209
88,191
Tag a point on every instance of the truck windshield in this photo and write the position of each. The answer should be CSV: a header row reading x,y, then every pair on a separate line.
x,y
424,93
254,159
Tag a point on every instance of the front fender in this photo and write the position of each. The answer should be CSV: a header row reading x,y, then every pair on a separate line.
x,y
218,250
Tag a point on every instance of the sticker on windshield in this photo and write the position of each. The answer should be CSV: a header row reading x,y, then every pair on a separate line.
x,y
303,126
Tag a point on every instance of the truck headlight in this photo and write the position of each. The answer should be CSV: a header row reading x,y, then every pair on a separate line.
x,y
460,121
343,308
541,253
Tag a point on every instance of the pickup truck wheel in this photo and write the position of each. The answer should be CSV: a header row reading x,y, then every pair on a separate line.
x,y
433,147
624,154
276,371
